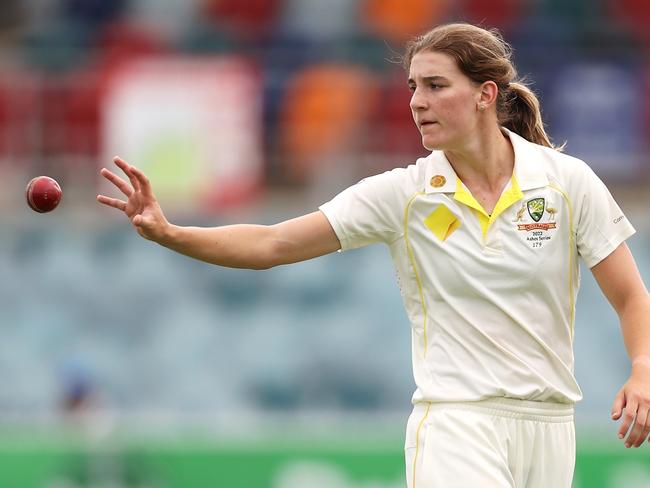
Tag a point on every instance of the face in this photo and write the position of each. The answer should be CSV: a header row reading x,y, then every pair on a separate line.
x,y
444,101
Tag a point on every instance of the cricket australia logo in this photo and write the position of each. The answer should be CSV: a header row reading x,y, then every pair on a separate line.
x,y
536,208
538,226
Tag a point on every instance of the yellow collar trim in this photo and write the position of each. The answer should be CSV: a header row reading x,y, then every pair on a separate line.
x,y
511,195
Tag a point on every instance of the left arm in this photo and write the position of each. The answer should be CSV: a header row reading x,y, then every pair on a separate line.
x,y
619,279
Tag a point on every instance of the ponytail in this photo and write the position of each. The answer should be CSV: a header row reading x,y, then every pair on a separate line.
x,y
520,112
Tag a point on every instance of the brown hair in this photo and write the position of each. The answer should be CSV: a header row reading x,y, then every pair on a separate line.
x,y
483,55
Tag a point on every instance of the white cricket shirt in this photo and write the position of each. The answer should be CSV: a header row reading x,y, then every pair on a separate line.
x,y
491,298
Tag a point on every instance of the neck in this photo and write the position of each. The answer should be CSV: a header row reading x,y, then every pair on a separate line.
x,y
487,160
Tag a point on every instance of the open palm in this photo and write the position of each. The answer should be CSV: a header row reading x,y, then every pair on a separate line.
x,y
140,206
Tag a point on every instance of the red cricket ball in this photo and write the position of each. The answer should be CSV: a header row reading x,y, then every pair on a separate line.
x,y
43,194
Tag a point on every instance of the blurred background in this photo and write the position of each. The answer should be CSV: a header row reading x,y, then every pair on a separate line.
x,y
124,365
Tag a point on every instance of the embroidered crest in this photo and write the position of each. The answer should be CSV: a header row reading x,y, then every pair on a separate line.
x,y
536,208
520,213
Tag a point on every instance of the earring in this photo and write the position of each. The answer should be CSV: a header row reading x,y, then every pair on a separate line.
x,y
481,107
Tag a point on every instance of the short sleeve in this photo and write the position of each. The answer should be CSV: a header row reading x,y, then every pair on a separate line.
x,y
368,212
601,225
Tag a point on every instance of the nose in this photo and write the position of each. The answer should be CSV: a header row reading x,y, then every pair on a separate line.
x,y
418,102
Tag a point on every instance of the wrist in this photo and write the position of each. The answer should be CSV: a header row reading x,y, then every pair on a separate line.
x,y
642,360
168,235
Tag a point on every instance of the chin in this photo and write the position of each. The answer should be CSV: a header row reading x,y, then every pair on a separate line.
x,y
432,145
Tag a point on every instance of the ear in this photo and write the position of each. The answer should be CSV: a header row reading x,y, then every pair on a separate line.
x,y
487,95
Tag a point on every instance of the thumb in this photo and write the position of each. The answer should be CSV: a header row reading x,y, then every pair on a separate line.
x,y
145,223
619,403
147,226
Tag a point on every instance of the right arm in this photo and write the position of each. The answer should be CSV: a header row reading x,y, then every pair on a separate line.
x,y
233,246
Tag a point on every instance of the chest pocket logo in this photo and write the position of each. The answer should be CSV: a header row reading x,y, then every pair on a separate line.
x,y
536,208
442,222
538,228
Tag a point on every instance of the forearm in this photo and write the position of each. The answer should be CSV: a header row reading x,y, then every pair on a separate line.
x,y
233,246
635,327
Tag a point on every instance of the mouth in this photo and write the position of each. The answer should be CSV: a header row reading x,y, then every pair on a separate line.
x,y
426,123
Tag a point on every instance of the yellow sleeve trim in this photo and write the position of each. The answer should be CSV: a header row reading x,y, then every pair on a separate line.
x,y
572,257
411,256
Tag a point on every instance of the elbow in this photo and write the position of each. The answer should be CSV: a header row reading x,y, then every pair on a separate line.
x,y
267,257
256,264
262,266
274,252
632,302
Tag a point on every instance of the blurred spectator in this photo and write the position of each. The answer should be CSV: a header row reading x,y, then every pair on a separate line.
x,y
246,19
12,17
127,41
398,20
91,15
18,104
634,15
70,116
78,387
394,141
604,124
170,18
71,102
320,20
576,14
324,112
502,14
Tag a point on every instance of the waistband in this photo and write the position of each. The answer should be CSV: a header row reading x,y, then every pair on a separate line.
x,y
507,407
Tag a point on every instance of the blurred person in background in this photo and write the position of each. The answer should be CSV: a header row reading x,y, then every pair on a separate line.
x,y
12,18
485,235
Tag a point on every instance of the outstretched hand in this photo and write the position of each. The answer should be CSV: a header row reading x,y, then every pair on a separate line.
x,y
141,206
632,405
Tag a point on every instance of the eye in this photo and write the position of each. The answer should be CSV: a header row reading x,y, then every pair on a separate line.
x,y
412,88
435,86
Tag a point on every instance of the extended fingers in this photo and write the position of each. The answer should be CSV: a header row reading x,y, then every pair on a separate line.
x,y
128,171
640,429
122,185
112,202
145,185
637,428
619,403
644,435
628,418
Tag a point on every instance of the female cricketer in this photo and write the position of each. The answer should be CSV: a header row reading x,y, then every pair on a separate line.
x,y
485,234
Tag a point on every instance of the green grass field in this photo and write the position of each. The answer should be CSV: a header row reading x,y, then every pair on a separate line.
x,y
67,461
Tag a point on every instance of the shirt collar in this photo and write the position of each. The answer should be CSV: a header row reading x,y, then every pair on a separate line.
x,y
440,176
529,167
529,172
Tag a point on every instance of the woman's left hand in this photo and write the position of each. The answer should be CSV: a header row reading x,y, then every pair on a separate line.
x,y
632,404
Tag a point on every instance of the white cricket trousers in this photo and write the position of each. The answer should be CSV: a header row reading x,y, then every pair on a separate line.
x,y
494,443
